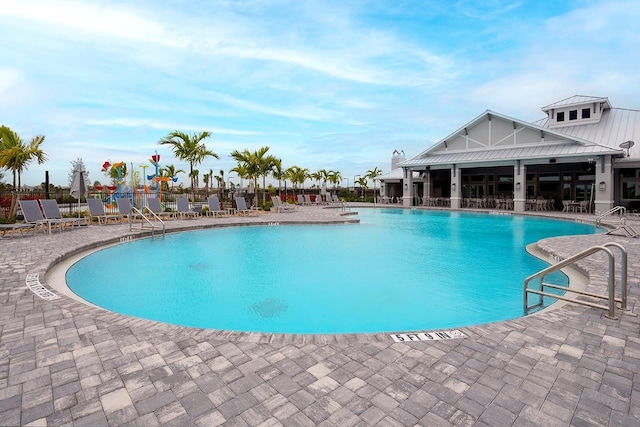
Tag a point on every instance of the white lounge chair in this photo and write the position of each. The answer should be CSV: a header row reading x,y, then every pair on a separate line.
x,y
153,205
184,210
242,209
282,207
96,210
52,211
127,210
214,207
33,215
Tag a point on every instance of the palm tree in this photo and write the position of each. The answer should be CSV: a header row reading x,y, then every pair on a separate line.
x,y
279,174
373,174
257,164
189,148
220,179
15,154
242,171
362,181
171,172
334,177
297,175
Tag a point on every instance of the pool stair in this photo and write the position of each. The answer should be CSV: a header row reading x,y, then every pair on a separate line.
x,y
610,307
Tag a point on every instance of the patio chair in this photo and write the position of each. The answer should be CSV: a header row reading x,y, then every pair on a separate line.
x,y
126,209
184,210
22,227
96,210
153,205
301,201
33,215
242,209
52,211
214,207
282,207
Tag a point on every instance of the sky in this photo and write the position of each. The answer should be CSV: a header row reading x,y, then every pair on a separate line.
x,y
332,84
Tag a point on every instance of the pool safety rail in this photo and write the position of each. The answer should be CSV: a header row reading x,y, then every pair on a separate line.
x,y
615,215
611,282
146,221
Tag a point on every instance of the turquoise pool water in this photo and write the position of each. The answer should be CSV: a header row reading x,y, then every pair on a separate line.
x,y
398,270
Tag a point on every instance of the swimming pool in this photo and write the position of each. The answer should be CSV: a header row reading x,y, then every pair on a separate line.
x,y
398,270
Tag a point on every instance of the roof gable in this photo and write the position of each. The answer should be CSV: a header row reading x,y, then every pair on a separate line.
x,y
494,136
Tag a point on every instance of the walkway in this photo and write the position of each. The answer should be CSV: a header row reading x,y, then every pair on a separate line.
x,y
65,363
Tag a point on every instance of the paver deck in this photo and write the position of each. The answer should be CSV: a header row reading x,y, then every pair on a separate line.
x,y
66,363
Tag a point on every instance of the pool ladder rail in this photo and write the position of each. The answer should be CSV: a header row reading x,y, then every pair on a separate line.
x,y
609,297
146,221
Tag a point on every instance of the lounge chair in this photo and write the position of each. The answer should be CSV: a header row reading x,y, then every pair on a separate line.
x,y
127,210
301,200
33,215
52,211
214,207
241,207
282,207
153,205
22,227
96,210
184,210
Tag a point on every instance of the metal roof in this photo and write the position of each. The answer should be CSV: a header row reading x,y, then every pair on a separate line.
x,y
510,153
576,100
616,125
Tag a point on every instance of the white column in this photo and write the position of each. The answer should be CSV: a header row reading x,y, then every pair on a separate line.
x,y
407,187
456,187
603,188
519,188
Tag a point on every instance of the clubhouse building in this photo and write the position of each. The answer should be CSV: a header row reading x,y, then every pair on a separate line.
x,y
582,154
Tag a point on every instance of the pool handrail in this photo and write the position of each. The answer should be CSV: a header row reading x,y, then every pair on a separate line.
x,y
610,296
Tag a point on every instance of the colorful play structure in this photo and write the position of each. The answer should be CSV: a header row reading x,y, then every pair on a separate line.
x,y
117,171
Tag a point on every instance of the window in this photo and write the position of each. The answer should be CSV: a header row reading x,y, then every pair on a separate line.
x,y
560,116
573,115
586,113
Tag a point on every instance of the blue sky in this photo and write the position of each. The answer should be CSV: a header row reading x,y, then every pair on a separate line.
x,y
336,85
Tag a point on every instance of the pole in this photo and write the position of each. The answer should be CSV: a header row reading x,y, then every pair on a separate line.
x,y
46,183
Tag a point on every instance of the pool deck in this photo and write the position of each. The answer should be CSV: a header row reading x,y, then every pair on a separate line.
x,y
66,363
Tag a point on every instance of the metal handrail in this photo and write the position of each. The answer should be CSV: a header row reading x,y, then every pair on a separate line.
x,y
145,219
580,255
157,218
610,212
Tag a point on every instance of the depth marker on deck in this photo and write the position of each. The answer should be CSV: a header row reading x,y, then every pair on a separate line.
x,y
429,336
33,283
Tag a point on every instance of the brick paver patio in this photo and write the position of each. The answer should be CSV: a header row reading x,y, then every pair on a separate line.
x,y
66,363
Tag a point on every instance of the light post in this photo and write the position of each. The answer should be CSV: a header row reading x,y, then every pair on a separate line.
x,y
347,182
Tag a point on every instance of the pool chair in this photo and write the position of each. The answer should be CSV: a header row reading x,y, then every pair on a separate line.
x,y
33,215
153,206
214,207
301,201
18,227
242,209
282,207
96,211
184,210
52,211
127,210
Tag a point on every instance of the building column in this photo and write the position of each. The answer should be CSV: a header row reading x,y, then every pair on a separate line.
x,y
456,188
519,187
407,186
603,188
426,186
